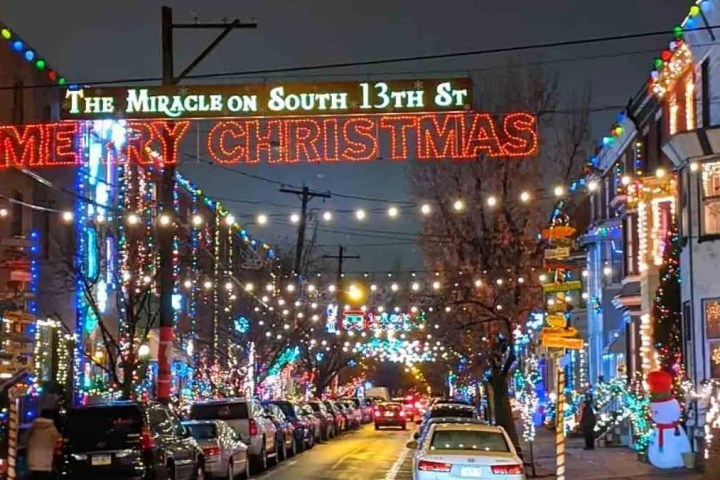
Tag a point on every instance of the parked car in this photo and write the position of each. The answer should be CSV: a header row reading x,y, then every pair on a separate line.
x,y
304,427
390,415
285,431
128,440
456,410
326,417
319,424
365,414
225,454
466,451
338,417
247,418
352,414
367,407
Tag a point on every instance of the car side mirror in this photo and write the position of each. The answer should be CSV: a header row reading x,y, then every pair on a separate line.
x,y
418,422
412,445
416,435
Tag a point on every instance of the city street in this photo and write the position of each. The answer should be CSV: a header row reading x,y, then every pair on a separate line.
x,y
365,453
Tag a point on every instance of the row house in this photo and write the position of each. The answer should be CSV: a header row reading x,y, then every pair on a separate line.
x,y
659,167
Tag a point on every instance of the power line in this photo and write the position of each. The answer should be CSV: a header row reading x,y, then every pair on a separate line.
x,y
393,60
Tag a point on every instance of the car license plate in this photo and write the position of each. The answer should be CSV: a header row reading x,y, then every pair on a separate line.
x,y
101,460
389,414
471,472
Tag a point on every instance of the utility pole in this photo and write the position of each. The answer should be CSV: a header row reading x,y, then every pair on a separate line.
x,y
305,195
340,257
167,187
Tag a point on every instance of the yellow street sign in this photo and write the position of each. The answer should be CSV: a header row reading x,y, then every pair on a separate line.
x,y
560,332
556,320
562,287
553,341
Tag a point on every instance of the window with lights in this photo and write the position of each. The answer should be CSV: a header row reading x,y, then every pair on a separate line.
x,y
710,194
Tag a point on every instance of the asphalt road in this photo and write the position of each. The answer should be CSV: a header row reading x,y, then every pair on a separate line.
x,y
364,454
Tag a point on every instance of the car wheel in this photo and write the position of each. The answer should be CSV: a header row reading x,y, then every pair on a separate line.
x,y
294,449
170,471
199,471
246,472
377,427
404,427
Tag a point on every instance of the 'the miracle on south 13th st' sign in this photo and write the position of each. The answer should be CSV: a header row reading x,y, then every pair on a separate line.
x,y
252,100
423,136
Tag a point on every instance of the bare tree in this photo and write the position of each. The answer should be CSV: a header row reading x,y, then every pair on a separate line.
x,y
489,253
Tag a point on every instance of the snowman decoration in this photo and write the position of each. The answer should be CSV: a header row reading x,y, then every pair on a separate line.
x,y
670,440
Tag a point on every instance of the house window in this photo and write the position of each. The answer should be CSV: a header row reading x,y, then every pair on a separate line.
x,y
673,114
705,74
690,103
711,309
711,199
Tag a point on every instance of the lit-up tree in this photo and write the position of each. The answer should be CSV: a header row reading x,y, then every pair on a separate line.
x,y
666,308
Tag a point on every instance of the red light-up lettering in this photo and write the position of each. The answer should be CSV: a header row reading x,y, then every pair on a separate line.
x,y
441,136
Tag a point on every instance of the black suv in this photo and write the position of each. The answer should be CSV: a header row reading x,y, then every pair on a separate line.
x,y
127,440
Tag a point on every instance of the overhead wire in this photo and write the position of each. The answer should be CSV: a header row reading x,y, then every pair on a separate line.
x,y
395,60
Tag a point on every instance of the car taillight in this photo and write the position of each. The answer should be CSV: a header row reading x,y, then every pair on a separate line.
x,y
378,413
147,442
211,451
402,414
507,469
253,428
58,449
428,466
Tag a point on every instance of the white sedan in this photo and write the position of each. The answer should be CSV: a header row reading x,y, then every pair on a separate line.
x,y
452,451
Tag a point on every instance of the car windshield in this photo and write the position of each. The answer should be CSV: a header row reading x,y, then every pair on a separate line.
x,y
202,431
110,428
479,440
220,411
391,406
452,412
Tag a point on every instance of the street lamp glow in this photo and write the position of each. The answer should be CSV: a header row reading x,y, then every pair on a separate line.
x,y
478,283
360,214
67,216
459,205
525,197
543,278
373,287
249,287
660,172
164,219
491,201
393,212
290,288
311,287
694,166
207,284
436,285
394,287
592,185
425,209
133,219
295,218
331,288
262,219
559,191
327,216
415,286
355,293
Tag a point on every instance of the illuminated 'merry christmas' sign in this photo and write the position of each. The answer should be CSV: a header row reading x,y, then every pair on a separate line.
x,y
340,122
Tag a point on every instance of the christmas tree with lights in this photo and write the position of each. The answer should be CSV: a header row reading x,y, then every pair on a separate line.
x,y
666,308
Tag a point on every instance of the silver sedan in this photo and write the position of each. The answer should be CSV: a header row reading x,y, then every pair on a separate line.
x,y
225,454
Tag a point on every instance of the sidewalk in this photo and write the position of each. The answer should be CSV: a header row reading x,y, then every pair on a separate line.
x,y
619,463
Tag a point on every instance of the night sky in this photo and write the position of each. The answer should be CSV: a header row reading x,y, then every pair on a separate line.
x,y
91,41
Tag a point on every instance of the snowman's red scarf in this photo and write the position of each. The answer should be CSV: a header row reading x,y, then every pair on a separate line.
x,y
665,426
